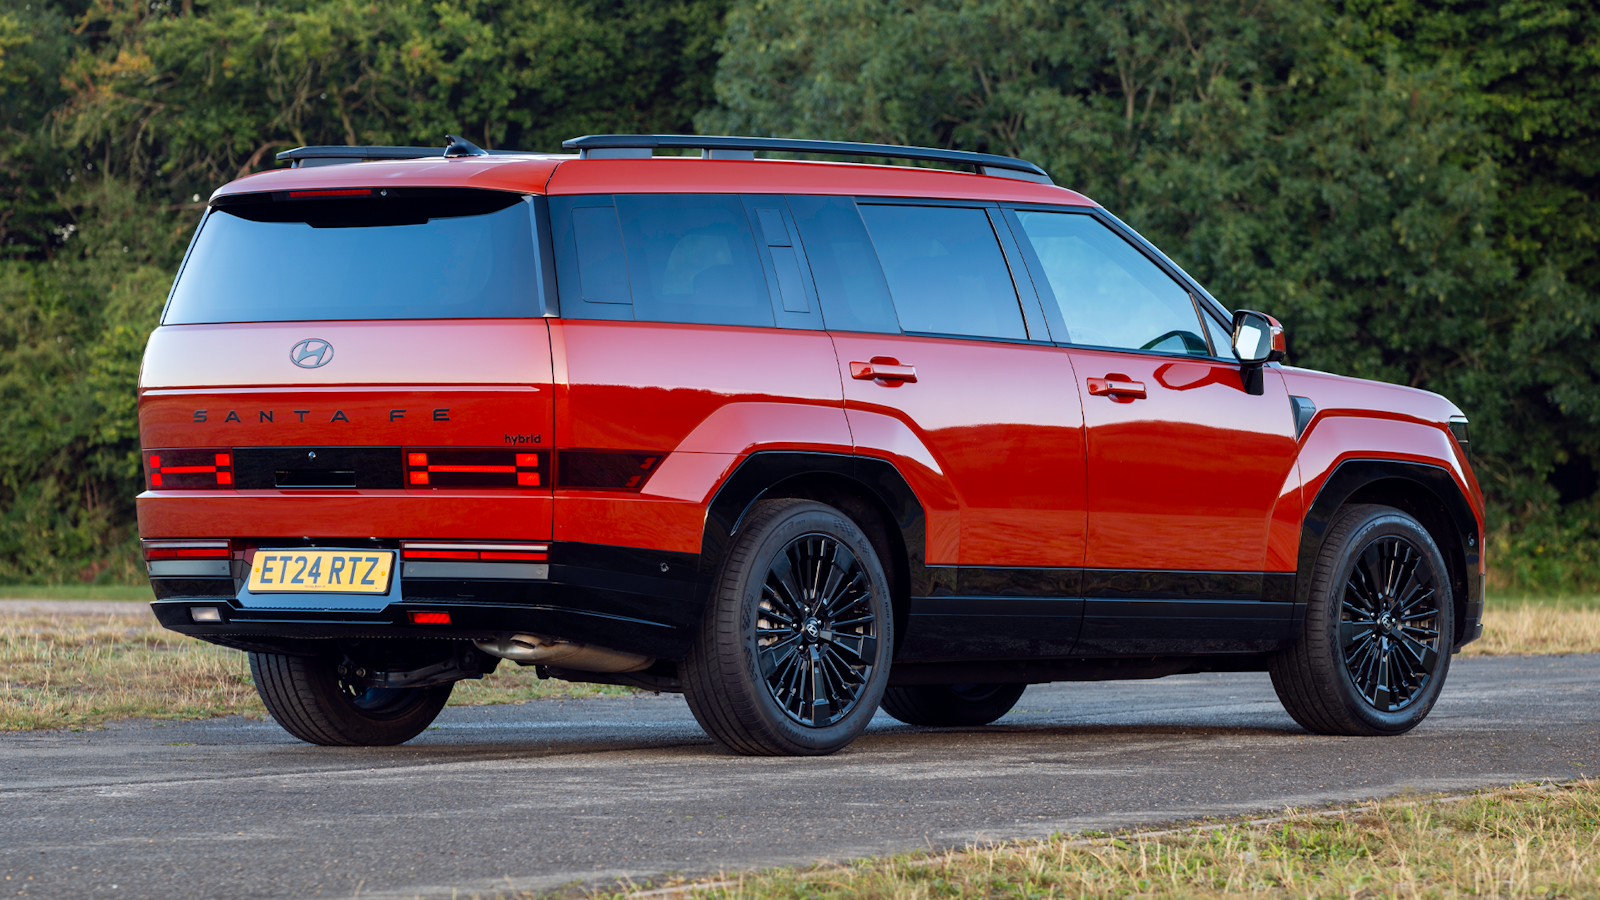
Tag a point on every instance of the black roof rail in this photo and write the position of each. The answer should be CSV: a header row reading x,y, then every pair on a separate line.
x,y
332,155
622,146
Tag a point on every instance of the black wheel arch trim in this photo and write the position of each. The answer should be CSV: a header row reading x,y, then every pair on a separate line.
x,y
1361,480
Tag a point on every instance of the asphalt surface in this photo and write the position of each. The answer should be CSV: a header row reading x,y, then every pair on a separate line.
x,y
548,793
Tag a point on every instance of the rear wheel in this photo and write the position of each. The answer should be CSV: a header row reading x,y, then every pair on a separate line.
x,y
793,653
316,699
1380,625
945,705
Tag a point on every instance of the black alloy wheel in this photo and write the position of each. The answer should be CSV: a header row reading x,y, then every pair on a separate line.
x,y
1379,628
951,705
1389,624
793,653
817,630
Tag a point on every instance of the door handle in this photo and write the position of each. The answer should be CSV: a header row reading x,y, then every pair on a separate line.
x,y
1118,387
886,368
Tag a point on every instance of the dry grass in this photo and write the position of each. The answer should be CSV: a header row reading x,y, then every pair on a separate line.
x,y
1539,628
1514,843
74,671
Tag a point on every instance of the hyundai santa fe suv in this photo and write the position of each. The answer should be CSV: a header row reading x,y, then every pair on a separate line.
x,y
800,440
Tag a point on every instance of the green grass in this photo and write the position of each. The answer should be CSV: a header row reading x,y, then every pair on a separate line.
x,y
137,592
1508,600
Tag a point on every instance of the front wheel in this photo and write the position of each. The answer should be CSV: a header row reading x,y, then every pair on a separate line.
x,y
314,699
1380,627
793,653
951,705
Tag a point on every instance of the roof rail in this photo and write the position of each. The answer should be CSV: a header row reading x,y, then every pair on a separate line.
x,y
332,155
623,146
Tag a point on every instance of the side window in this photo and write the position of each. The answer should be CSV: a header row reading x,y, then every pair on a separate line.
x,y
945,270
692,258
659,258
849,281
1110,294
1221,337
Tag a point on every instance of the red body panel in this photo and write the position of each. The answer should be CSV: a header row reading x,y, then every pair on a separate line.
x,y
708,395
770,176
1187,477
467,383
1002,424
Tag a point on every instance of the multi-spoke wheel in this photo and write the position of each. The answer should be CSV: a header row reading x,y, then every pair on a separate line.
x,y
318,700
951,704
1379,627
794,650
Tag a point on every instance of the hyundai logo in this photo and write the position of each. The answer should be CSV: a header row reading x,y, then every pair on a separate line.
x,y
311,353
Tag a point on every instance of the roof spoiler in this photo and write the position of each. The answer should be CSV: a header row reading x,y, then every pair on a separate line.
x,y
639,146
456,145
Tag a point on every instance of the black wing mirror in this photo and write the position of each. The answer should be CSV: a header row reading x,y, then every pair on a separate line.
x,y
1257,340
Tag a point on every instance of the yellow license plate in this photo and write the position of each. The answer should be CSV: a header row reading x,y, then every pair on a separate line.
x,y
321,571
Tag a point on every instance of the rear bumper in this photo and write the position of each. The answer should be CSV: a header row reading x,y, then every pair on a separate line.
x,y
639,601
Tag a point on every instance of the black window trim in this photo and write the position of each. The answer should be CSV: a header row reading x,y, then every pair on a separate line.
x,y
1202,300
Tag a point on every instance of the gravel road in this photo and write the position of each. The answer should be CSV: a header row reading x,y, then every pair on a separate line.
x,y
548,793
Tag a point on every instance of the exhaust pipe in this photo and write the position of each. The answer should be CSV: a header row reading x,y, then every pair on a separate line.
x,y
533,649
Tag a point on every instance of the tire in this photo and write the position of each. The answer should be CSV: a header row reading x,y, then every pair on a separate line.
x,y
1379,630
307,696
769,674
951,705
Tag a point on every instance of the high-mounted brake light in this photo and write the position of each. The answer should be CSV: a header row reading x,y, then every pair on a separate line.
x,y
188,470
345,192
452,468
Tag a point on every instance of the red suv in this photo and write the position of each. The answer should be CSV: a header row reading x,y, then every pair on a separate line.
x,y
798,439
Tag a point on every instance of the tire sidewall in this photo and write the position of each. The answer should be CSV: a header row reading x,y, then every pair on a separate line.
x,y
812,518
1379,524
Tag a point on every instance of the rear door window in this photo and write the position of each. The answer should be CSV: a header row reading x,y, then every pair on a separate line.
x,y
401,254
849,281
661,258
945,270
1110,294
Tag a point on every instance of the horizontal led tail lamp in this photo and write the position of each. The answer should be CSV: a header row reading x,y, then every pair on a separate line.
x,y
188,470
218,549
485,552
605,470
456,468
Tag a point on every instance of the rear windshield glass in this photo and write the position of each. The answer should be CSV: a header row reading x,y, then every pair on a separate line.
x,y
422,255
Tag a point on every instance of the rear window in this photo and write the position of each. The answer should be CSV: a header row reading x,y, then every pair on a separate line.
x,y
662,258
417,254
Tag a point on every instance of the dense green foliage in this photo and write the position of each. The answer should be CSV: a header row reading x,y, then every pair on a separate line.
x,y
1409,184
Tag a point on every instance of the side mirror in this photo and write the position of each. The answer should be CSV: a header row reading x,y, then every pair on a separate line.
x,y
1257,338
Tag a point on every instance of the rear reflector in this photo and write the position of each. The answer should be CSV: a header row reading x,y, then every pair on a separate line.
x,y
605,470
186,550
524,552
456,468
429,617
188,470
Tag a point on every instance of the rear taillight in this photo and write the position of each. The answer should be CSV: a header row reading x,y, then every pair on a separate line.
x,y
188,470
427,469
186,550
